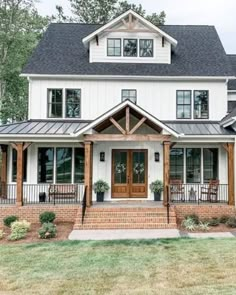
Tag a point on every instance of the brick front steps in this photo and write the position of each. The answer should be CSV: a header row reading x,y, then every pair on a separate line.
x,y
125,218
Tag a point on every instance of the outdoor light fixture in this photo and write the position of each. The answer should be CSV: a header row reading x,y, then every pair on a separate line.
x,y
102,157
157,157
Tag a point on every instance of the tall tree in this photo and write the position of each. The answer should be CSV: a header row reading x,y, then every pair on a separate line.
x,y
20,29
102,11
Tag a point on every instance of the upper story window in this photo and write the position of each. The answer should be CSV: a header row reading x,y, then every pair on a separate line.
x,y
64,103
73,101
130,47
55,103
130,94
201,104
114,47
146,48
183,104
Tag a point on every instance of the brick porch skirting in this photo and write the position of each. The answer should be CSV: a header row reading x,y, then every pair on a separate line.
x,y
203,211
64,213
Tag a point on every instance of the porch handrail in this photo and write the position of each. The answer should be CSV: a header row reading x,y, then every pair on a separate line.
x,y
168,204
84,205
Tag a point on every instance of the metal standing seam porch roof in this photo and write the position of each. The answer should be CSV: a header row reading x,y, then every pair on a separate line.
x,y
68,128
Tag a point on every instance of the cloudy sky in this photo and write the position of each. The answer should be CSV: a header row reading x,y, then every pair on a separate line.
x,y
220,13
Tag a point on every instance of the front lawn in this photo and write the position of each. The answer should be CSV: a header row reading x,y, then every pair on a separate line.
x,y
181,266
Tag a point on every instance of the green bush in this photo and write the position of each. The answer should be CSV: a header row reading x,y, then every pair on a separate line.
x,y
47,217
214,221
204,226
1,234
194,217
231,222
100,186
189,224
47,231
9,220
224,219
19,230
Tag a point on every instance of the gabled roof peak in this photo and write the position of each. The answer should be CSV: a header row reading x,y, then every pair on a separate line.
x,y
123,16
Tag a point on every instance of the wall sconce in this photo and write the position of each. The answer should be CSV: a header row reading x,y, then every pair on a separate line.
x,y
102,157
157,157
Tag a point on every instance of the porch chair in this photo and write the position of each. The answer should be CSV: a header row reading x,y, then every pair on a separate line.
x,y
62,192
177,190
210,193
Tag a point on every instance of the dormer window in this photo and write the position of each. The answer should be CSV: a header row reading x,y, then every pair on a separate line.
x,y
146,48
113,47
130,47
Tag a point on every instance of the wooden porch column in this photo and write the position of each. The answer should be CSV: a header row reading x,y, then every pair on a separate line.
x,y
20,172
231,173
88,171
166,176
4,171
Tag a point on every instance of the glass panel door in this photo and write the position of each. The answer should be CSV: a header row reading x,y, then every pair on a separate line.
x,y
138,167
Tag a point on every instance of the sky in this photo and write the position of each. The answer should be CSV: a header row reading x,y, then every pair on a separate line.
x,y
220,13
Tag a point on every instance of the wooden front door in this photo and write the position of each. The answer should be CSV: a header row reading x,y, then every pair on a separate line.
x,y
129,173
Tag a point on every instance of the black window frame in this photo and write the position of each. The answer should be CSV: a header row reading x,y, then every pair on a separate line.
x,y
177,165
205,180
114,47
193,165
56,165
122,100
177,104
139,45
53,166
79,165
14,165
201,118
66,89
50,103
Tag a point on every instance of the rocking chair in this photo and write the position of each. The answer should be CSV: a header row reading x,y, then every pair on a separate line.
x,y
176,190
210,193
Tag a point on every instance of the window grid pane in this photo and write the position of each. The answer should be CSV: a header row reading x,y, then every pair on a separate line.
x,y
79,165
73,103
114,47
177,164
193,165
63,165
146,47
55,103
201,104
130,94
210,164
45,165
130,47
183,104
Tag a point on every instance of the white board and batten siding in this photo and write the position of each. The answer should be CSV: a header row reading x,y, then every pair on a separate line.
x,y
156,97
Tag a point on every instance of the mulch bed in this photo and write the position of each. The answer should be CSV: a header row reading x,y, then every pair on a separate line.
x,y
63,231
213,229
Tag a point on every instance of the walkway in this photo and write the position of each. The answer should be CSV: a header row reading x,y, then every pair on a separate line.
x,y
139,234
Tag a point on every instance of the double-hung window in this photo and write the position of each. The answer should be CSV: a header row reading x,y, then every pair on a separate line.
x,y
177,163
210,164
183,101
45,165
130,94
113,47
55,103
201,104
73,103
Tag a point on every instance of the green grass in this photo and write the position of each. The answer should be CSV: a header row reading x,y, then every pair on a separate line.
x,y
181,266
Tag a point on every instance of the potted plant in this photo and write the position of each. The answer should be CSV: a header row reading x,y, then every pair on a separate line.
x,y
100,187
157,188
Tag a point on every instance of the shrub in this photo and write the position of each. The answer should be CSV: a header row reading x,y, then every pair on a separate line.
x,y
47,217
47,231
189,224
1,234
194,217
204,226
231,222
19,230
224,219
156,186
101,186
214,221
9,220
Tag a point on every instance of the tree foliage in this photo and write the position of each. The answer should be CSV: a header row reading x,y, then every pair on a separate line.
x,y
21,28
102,11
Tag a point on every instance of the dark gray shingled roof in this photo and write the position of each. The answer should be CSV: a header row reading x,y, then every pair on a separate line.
x,y
57,127
232,83
43,127
198,128
199,53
